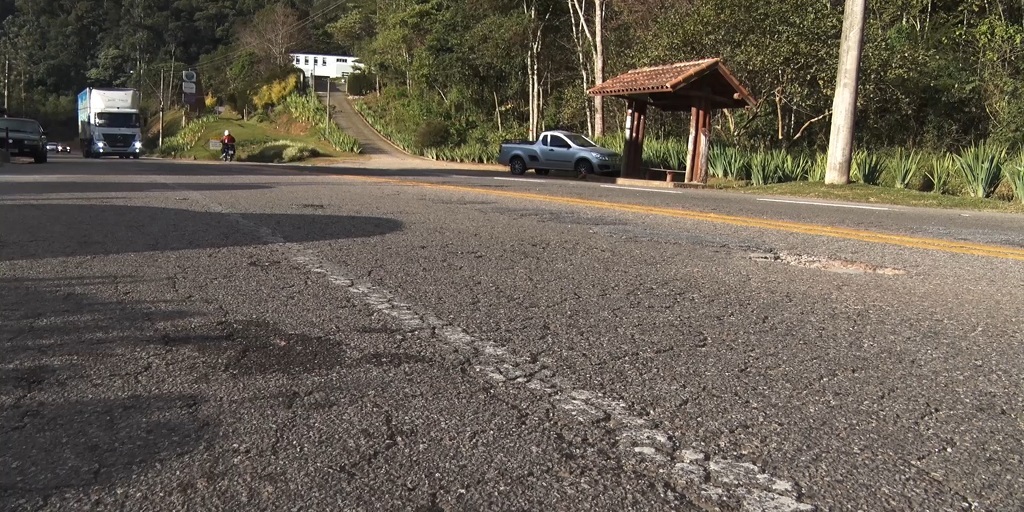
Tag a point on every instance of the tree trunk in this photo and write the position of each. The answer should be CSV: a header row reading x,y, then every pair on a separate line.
x,y
844,106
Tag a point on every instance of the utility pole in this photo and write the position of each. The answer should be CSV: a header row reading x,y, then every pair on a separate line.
x,y
160,140
7,70
844,105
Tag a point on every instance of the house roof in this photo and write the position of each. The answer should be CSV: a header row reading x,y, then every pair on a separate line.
x,y
679,86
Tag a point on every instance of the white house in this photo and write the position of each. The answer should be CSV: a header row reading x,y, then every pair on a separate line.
x,y
333,66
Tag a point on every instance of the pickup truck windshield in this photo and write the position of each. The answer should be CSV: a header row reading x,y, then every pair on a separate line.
x,y
117,120
580,140
20,125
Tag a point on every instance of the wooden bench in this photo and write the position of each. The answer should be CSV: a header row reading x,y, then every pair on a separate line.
x,y
670,174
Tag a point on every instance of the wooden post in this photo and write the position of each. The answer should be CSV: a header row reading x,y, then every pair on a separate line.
x,y
641,133
626,147
691,145
703,143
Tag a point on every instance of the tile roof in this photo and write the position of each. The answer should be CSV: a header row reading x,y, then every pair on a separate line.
x,y
669,79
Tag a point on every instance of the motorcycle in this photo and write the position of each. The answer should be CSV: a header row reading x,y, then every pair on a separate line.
x,y
227,152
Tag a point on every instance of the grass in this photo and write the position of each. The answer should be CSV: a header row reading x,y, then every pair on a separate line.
x,y
260,142
861,193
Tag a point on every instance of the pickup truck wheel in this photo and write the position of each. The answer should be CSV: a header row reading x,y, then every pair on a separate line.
x,y
542,172
584,167
517,166
41,157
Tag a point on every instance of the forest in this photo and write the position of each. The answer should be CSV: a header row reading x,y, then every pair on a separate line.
x,y
936,74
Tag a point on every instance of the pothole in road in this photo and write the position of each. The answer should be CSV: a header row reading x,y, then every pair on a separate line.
x,y
826,264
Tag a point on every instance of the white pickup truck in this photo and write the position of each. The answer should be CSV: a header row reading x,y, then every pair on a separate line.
x,y
558,150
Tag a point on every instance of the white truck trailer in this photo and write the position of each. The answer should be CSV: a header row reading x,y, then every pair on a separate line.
x,y
109,123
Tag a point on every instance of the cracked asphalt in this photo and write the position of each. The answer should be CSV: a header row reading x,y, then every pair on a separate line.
x,y
178,336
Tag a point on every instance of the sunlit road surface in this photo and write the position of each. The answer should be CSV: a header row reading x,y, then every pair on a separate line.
x,y
418,337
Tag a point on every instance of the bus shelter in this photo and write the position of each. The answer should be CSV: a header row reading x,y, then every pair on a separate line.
x,y
698,87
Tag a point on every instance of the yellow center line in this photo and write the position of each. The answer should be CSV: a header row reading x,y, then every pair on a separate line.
x,y
932,244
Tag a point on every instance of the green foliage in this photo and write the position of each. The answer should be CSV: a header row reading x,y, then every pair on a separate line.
x,y
432,134
665,154
870,167
275,92
819,169
309,110
940,171
793,167
764,168
1015,175
281,151
981,168
727,162
904,166
187,137
360,84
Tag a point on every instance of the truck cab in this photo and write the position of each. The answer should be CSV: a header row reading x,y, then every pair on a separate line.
x,y
110,123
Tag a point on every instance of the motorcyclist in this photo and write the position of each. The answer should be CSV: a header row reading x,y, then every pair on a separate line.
x,y
227,142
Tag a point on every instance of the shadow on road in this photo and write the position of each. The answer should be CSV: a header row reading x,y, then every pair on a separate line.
x,y
9,188
69,423
34,231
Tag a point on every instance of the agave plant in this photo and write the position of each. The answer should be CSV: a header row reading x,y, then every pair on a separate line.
x,y
720,159
981,167
792,167
940,172
904,166
1015,173
870,167
818,169
764,168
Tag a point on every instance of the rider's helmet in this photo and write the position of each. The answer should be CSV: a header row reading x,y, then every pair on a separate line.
x,y
227,132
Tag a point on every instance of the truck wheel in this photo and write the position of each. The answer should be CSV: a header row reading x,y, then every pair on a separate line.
x,y
583,167
542,172
517,166
41,157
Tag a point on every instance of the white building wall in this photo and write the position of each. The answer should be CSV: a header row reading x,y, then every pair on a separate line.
x,y
333,66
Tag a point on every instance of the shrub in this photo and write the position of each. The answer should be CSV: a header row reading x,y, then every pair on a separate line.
x,y
275,92
433,134
763,168
869,167
940,172
281,151
981,167
309,110
727,162
1015,175
360,84
791,167
819,169
904,166
187,137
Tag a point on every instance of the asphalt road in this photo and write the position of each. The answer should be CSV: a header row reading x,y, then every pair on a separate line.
x,y
182,336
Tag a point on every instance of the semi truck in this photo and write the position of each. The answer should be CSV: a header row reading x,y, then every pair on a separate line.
x,y
109,123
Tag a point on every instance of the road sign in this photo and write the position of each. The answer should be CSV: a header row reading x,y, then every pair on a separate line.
x,y
188,76
188,87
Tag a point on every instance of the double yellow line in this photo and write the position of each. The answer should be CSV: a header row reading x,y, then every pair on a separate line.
x,y
932,244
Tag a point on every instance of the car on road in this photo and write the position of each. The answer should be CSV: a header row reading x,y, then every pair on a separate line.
x,y
558,150
23,137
